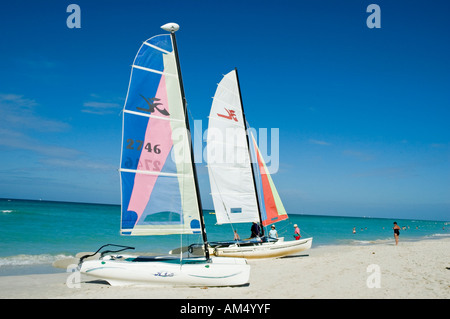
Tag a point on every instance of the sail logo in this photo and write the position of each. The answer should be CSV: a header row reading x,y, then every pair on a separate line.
x,y
231,115
152,105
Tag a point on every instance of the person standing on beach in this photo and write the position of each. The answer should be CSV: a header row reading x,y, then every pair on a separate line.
x,y
296,232
396,229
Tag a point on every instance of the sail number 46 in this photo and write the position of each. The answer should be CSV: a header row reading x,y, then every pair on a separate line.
x,y
131,146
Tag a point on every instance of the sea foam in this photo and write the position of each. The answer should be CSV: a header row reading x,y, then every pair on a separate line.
x,y
29,260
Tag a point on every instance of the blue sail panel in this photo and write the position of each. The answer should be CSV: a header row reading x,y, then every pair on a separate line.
x,y
151,56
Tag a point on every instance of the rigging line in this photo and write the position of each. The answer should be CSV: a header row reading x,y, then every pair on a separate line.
x,y
153,116
283,229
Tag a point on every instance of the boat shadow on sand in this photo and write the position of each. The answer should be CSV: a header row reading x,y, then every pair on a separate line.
x,y
294,256
96,282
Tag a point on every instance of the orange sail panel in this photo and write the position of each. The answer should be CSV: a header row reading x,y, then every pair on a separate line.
x,y
275,211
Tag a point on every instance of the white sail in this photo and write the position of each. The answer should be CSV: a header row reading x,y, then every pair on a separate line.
x,y
229,166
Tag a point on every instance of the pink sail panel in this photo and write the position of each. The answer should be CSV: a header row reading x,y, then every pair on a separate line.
x,y
158,133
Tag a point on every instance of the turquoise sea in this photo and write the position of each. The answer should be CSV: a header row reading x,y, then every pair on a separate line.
x,y
36,233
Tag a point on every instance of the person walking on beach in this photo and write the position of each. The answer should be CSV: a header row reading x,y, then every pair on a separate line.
x,y
296,232
396,229
273,232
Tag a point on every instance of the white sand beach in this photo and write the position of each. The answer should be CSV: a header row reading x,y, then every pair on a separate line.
x,y
410,270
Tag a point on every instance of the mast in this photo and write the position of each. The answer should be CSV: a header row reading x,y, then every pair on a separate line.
x,y
172,27
248,147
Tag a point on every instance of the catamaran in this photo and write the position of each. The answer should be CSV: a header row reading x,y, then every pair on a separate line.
x,y
159,186
242,192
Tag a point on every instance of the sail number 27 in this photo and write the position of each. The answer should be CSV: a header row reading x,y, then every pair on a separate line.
x,y
148,146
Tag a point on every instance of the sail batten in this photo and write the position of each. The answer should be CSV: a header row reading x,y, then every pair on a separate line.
x,y
228,90
157,48
153,173
153,116
151,70
231,193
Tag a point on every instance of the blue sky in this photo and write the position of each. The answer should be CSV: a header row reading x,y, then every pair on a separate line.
x,y
362,113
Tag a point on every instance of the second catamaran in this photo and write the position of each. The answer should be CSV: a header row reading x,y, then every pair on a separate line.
x,y
242,192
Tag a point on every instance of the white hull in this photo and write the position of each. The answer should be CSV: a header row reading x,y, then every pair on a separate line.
x,y
264,250
122,271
